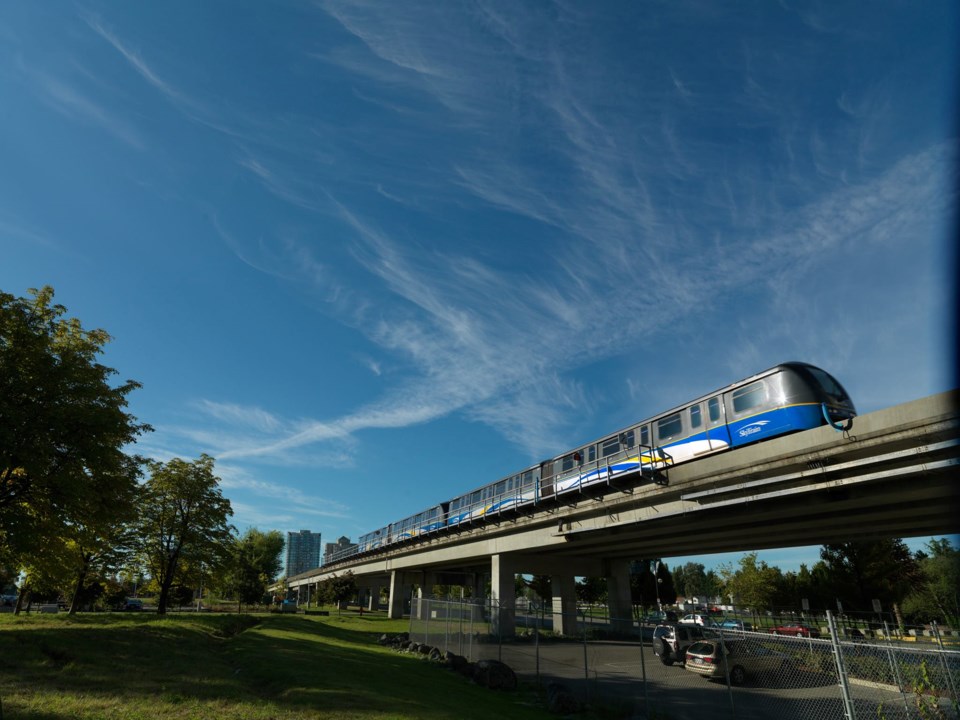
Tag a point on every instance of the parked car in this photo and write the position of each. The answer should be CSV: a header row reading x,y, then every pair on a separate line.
x,y
744,659
670,642
733,625
795,629
133,604
693,619
657,618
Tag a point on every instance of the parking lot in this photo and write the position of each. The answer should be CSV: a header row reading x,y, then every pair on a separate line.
x,y
882,680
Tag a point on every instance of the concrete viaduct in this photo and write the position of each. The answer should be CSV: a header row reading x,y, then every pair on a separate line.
x,y
894,474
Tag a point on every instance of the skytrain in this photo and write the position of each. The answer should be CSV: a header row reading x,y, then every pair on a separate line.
x,y
787,398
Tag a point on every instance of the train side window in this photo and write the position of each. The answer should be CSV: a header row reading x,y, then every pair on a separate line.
x,y
713,408
592,453
695,417
645,435
610,446
628,439
669,427
749,397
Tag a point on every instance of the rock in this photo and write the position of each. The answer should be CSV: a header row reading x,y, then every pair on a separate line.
x,y
454,661
561,701
495,675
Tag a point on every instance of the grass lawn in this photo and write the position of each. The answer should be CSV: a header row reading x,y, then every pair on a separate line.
x,y
243,667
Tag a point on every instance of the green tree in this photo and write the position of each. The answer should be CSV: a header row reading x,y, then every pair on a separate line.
x,y
100,545
592,590
691,580
542,587
753,584
63,427
860,571
46,571
711,584
936,593
337,589
255,563
647,586
183,522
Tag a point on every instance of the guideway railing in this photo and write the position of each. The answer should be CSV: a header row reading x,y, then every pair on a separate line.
x,y
799,678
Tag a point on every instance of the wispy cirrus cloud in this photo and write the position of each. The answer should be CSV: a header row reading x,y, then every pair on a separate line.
x,y
69,99
477,336
655,221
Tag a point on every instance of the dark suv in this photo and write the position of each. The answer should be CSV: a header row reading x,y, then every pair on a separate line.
x,y
670,642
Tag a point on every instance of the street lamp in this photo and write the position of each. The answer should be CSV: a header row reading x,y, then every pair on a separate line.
x,y
656,583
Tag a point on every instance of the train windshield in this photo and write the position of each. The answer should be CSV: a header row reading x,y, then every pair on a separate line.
x,y
830,386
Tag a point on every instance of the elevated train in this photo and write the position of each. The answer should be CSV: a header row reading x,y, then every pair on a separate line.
x,y
787,398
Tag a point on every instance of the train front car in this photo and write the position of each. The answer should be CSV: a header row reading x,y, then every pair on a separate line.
x,y
810,383
790,397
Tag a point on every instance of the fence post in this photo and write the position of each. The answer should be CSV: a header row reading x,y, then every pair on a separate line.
x,y
943,662
424,611
895,667
536,642
643,670
848,709
446,624
474,607
499,627
726,674
586,666
460,625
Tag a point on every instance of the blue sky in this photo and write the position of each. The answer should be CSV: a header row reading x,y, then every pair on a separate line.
x,y
371,255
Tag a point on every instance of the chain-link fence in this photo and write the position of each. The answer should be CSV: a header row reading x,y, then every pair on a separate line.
x,y
631,669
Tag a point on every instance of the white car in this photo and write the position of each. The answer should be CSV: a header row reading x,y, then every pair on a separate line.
x,y
694,620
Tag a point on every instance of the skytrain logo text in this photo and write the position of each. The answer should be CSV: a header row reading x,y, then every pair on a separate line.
x,y
753,428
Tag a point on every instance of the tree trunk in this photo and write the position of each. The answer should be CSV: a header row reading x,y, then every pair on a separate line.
x,y
75,603
166,584
24,591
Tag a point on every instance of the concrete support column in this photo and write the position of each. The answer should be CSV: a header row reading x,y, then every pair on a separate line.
x,y
503,595
564,589
399,591
618,595
480,587
427,582
373,599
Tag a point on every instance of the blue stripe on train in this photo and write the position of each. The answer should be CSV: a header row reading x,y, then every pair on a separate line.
x,y
775,422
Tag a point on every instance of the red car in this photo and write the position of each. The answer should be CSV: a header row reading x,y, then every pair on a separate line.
x,y
795,629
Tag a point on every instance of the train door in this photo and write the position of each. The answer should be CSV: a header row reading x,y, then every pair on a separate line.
x,y
546,479
718,434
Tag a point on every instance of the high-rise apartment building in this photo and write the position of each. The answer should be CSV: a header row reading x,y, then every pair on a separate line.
x,y
334,551
303,552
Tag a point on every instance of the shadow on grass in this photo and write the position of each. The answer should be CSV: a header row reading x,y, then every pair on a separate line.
x,y
279,665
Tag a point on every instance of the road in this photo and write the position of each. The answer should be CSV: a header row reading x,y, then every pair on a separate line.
x,y
618,677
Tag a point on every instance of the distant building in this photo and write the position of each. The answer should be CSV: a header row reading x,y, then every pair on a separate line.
x,y
332,551
303,552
